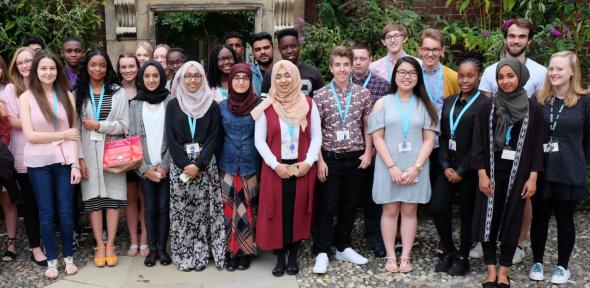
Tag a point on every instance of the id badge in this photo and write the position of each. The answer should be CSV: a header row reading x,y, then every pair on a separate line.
x,y
184,177
95,136
192,149
551,147
452,145
404,147
57,142
342,135
508,154
289,151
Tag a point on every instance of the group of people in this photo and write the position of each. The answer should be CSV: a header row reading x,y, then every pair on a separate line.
x,y
240,157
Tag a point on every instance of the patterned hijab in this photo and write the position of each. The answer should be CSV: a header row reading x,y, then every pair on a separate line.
x,y
241,104
193,104
158,95
291,106
510,107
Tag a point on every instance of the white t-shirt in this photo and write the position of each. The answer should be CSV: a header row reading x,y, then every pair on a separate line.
x,y
152,115
537,74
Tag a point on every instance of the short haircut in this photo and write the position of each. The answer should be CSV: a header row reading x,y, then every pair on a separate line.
x,y
521,23
287,32
364,46
394,27
234,34
72,39
433,34
261,36
176,49
34,40
341,51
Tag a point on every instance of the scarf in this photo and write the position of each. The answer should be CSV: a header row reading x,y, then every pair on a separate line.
x,y
158,95
510,107
192,104
241,104
291,105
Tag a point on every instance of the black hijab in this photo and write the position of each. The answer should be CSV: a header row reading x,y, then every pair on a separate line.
x,y
156,96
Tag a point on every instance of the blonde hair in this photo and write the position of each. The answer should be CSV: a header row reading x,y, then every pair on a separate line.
x,y
147,46
575,90
14,75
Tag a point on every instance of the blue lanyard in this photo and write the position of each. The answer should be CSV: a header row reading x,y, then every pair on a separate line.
x,y
344,115
366,81
192,124
405,117
508,135
455,123
439,84
222,92
291,130
96,107
388,69
55,111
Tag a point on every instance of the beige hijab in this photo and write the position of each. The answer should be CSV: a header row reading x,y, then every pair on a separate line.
x,y
291,106
193,104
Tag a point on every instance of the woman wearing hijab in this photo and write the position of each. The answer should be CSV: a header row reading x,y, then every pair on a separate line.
x,y
196,209
288,137
239,165
505,125
146,112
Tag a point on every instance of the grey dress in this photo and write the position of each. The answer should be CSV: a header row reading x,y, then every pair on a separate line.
x,y
389,118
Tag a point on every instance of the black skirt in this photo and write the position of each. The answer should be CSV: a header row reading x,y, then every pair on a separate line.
x,y
562,192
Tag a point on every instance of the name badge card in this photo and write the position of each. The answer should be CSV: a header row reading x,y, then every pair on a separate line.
x,y
508,154
95,136
452,145
343,135
192,149
289,151
551,147
404,147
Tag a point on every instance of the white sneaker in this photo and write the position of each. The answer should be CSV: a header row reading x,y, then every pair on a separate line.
x,y
321,263
560,275
518,255
476,251
351,256
536,273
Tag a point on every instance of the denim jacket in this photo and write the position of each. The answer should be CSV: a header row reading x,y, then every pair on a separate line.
x,y
238,153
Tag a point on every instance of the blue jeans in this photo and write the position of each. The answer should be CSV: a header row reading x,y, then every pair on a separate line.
x,y
53,191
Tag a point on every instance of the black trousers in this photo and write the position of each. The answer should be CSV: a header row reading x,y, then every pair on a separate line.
x,y
338,197
156,200
566,230
371,210
30,210
441,208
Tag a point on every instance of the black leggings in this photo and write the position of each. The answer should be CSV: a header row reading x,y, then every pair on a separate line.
x,y
566,230
441,208
30,210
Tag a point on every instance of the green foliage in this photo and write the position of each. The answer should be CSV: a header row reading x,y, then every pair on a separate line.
x,y
473,38
217,22
51,22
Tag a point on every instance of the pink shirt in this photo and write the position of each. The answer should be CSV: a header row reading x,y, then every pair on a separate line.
x,y
39,155
17,137
384,67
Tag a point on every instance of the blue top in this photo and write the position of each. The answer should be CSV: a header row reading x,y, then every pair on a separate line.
x,y
257,78
237,154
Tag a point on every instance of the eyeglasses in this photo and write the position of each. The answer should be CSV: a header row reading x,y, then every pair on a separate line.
x,y
21,63
394,37
225,59
243,79
176,63
404,73
431,50
196,77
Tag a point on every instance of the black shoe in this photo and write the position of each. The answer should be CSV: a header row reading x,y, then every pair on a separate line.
x,y
244,263
232,263
42,263
164,258
444,262
459,267
150,259
292,266
280,267
490,284
378,248
504,285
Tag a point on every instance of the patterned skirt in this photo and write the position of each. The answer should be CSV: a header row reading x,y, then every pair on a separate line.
x,y
196,219
240,203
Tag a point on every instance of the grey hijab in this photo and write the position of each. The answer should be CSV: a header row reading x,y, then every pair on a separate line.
x,y
510,107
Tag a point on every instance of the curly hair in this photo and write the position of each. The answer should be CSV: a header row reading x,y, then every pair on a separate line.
x,y
213,71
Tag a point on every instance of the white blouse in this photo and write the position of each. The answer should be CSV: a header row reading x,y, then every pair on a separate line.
x,y
153,122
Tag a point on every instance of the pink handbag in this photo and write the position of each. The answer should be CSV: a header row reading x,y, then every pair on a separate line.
x,y
122,155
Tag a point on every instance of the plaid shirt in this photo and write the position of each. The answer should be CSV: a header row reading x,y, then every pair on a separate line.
x,y
377,86
360,106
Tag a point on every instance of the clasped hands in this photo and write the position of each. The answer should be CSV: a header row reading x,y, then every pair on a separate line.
x,y
408,177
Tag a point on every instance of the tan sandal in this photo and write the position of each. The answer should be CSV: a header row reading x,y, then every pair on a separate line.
x,y
133,250
111,260
405,265
70,267
99,261
391,265
51,273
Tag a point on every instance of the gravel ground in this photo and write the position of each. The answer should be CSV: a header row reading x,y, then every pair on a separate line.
x,y
24,273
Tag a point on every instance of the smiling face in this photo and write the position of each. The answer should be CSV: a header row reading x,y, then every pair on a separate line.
x,y
24,62
72,52
97,68
283,81
341,68
128,69
289,48
507,79
160,56
468,77
151,78
175,59
560,72
406,77
192,79
47,71
225,60
394,41
142,55
430,51
517,40
240,82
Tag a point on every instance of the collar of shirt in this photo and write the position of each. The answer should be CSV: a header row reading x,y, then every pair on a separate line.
x,y
341,91
360,81
433,71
